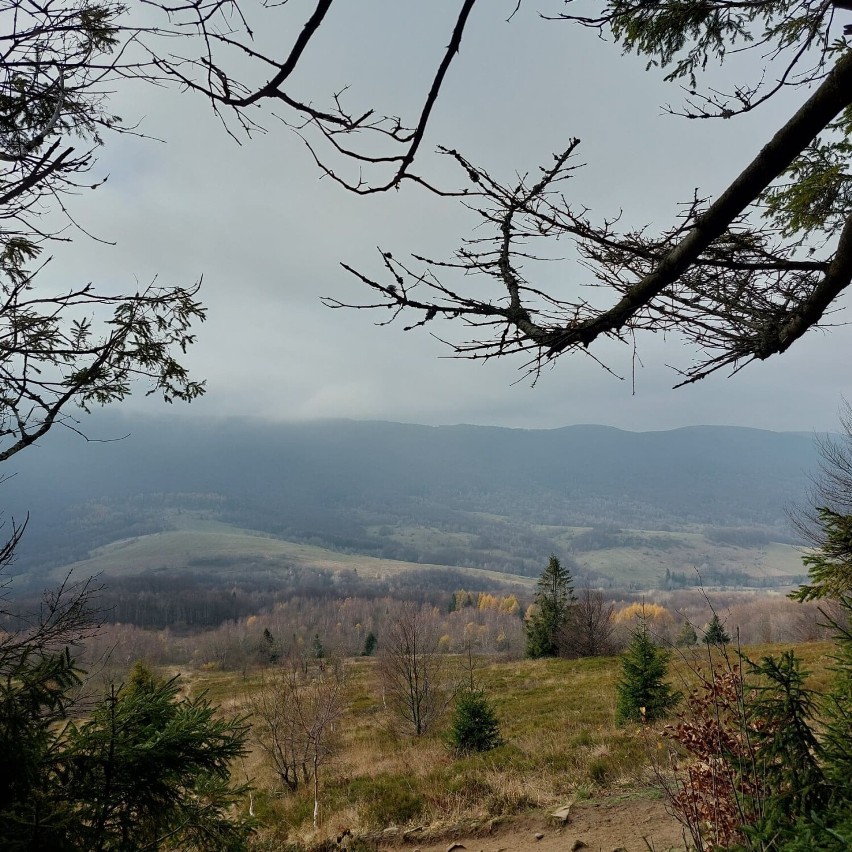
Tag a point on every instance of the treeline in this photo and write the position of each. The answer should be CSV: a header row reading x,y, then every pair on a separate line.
x,y
490,621
303,625
346,491
444,534
709,576
604,537
190,601
68,533
751,536
71,533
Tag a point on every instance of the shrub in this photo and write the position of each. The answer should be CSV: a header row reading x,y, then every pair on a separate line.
x,y
756,774
769,758
599,770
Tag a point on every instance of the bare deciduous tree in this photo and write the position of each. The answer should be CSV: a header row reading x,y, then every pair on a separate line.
x,y
411,669
588,632
294,715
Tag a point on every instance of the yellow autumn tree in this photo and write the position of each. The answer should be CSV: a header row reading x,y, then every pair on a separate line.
x,y
655,616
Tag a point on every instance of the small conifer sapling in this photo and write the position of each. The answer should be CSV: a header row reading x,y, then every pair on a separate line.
x,y
643,694
474,727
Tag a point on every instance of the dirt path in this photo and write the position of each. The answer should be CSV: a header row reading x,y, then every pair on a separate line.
x,y
634,825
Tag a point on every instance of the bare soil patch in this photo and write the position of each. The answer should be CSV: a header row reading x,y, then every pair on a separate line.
x,y
626,825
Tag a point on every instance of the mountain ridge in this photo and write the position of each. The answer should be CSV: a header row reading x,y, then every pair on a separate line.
x,y
491,497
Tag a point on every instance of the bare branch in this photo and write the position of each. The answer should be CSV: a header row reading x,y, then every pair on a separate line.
x,y
735,289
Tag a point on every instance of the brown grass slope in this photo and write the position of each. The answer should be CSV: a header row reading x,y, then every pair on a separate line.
x,y
561,746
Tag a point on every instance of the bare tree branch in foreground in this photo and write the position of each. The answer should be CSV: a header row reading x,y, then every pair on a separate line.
x,y
215,37
60,63
737,290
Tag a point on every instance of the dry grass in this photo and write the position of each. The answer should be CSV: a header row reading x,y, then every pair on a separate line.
x,y
561,743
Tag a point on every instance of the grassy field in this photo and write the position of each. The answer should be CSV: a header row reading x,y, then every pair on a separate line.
x,y
219,549
691,554
561,745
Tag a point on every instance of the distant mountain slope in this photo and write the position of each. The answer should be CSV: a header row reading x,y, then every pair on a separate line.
x,y
213,549
483,496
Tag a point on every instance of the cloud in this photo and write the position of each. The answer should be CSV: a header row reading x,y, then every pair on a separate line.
x,y
268,235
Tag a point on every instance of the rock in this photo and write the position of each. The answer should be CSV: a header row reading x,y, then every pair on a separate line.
x,y
561,815
456,846
578,844
539,835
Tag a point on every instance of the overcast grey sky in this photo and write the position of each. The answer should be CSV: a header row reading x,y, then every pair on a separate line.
x,y
267,234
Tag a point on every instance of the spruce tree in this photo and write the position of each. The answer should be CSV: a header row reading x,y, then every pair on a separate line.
x,y
474,726
147,769
837,739
643,694
370,643
554,599
268,648
687,638
829,567
715,633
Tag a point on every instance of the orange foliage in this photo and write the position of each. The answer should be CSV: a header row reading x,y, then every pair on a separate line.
x,y
654,614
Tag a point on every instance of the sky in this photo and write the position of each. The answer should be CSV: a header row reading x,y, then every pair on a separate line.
x,y
268,234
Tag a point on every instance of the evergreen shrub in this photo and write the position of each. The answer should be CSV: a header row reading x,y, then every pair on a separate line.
x,y
643,694
474,726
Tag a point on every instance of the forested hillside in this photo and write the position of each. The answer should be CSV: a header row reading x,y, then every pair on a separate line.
x,y
475,496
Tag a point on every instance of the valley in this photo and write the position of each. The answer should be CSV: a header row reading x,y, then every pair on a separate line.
x,y
227,554
632,511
